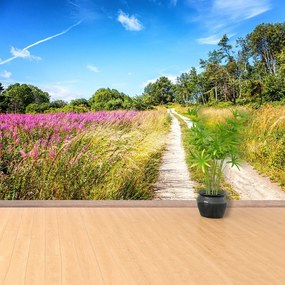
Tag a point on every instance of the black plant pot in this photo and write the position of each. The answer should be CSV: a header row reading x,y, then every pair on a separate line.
x,y
212,206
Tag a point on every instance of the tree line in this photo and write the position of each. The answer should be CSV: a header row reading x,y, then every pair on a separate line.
x,y
250,71
25,98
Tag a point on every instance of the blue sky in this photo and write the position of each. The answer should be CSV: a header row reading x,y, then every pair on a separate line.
x,y
71,48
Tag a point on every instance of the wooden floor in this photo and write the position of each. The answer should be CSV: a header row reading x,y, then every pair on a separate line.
x,y
141,245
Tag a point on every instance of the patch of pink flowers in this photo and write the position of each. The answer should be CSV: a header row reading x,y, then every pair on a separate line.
x,y
28,133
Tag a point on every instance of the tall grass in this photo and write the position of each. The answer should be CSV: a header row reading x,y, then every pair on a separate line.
x,y
82,156
263,137
264,142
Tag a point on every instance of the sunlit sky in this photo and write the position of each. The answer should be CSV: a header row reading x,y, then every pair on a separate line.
x,y
71,48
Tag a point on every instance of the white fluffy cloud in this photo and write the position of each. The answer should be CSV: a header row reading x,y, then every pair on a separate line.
x,y
23,53
171,77
6,74
130,23
20,53
60,92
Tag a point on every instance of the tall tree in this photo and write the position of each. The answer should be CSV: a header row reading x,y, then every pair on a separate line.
x,y
39,95
161,91
187,87
3,101
265,43
18,97
1,88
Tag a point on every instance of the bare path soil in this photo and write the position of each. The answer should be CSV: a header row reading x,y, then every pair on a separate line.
x,y
247,182
251,185
174,181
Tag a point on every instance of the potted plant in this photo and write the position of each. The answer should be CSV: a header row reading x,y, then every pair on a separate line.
x,y
212,148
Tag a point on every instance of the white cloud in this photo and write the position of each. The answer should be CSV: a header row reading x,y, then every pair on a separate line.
x,y
6,74
92,68
60,92
173,2
221,17
171,77
211,40
24,53
241,9
130,23
20,53
145,83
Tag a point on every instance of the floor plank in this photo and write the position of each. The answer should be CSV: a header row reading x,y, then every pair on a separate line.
x,y
157,245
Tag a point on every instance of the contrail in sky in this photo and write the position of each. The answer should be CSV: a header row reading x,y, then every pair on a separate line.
x,y
25,53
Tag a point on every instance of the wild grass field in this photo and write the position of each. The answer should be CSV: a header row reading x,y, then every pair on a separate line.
x,y
102,155
263,140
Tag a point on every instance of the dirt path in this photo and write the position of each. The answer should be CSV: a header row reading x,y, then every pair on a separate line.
x,y
248,182
251,185
174,181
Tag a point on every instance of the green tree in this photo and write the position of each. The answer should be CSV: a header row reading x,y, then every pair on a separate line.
x,y
57,104
142,102
18,97
80,102
274,87
1,88
215,75
187,86
3,103
109,99
32,109
265,43
39,95
161,91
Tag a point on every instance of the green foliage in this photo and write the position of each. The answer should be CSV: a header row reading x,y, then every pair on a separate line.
x,y
1,88
17,97
67,109
187,87
264,142
142,102
265,43
32,109
274,88
193,111
80,102
253,73
161,91
213,146
57,104
109,99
